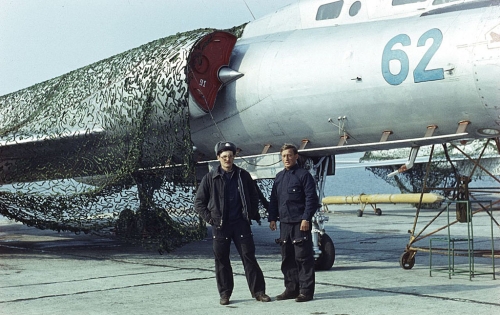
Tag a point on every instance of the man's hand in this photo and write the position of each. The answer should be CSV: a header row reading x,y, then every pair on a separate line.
x,y
272,225
304,225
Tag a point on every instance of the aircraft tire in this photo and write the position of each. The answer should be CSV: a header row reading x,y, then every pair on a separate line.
x,y
378,211
327,258
359,213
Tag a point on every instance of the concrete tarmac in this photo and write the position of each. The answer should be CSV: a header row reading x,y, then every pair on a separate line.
x,y
46,272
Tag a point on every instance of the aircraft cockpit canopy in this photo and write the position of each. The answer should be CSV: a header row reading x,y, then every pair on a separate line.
x,y
322,13
329,11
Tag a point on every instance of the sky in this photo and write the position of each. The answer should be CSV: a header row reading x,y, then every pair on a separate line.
x,y
43,39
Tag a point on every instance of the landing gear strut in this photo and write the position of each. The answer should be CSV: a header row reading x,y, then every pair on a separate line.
x,y
324,249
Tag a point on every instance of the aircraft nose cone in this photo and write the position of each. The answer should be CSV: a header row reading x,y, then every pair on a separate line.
x,y
227,75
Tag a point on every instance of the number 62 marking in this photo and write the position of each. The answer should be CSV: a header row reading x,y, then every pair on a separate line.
x,y
419,74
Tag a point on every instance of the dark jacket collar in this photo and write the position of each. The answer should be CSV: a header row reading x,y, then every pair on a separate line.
x,y
293,169
218,171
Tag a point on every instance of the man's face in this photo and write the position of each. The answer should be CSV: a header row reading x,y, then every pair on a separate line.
x,y
289,158
226,159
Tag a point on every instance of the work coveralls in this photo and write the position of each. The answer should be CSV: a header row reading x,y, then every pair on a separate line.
x,y
228,201
293,199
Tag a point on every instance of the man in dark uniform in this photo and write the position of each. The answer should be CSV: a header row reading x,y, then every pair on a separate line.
x,y
294,201
227,199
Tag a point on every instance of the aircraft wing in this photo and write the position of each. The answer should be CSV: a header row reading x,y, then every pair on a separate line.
x,y
386,145
65,155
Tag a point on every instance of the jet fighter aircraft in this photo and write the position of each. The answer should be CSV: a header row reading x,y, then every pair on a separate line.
x,y
332,77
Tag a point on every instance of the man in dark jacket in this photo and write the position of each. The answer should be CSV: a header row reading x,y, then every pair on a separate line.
x,y
294,201
227,199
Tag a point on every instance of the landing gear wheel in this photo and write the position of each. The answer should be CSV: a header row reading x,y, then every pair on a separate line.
x,y
407,260
378,211
359,213
327,258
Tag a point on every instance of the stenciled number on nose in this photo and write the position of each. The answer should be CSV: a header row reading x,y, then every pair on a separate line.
x,y
420,74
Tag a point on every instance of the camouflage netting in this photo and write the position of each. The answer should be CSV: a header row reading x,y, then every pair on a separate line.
x,y
411,181
264,189
106,148
442,177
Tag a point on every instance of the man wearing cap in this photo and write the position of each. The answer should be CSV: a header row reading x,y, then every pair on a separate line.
x,y
227,199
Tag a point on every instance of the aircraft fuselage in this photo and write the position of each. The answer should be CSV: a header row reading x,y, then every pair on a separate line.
x,y
374,81
399,75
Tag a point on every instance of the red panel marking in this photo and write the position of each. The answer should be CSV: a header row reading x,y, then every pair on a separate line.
x,y
208,55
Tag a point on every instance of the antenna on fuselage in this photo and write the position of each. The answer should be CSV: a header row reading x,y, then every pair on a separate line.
x,y
249,9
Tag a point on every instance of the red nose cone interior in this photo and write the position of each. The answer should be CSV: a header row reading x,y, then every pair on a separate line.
x,y
208,55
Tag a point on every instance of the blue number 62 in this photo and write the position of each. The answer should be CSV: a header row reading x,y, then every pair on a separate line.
x,y
419,74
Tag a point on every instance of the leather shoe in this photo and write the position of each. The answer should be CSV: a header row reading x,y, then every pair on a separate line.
x,y
224,300
286,296
262,297
303,298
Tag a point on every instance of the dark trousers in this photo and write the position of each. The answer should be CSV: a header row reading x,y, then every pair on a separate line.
x,y
241,234
297,256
